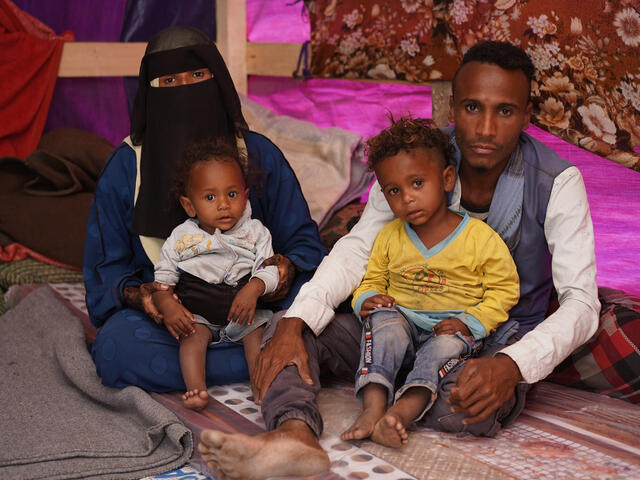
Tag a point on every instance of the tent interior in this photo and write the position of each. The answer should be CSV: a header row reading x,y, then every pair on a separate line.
x,y
564,432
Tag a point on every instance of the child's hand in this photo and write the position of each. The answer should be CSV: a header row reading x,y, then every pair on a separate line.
x,y
377,301
243,306
177,319
451,326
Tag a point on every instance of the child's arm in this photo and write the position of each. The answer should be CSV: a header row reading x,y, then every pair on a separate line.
x,y
243,306
270,274
177,319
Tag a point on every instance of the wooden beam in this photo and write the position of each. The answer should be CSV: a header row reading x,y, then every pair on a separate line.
x,y
272,59
101,59
91,59
231,33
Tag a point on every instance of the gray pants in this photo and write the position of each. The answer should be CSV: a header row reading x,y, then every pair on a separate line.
x,y
336,352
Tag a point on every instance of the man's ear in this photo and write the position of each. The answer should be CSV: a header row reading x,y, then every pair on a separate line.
x,y
451,116
188,206
449,178
527,115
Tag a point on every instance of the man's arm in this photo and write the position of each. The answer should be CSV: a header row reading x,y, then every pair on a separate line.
x,y
486,383
337,276
342,270
569,233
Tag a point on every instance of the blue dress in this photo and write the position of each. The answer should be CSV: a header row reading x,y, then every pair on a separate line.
x,y
130,348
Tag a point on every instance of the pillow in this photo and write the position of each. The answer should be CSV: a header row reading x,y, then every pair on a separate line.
x,y
341,223
609,363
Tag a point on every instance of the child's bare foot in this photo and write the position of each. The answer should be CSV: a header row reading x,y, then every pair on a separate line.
x,y
364,424
195,399
390,431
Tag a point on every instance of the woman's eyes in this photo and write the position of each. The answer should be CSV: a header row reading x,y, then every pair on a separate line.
x,y
167,80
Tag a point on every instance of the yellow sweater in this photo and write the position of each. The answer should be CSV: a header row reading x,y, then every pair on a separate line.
x,y
469,275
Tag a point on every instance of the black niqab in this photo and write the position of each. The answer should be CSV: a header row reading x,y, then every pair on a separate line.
x,y
166,119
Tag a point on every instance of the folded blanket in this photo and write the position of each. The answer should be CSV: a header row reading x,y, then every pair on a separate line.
x,y
59,421
329,162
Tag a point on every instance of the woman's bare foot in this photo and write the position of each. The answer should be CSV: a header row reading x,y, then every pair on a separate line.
x,y
195,399
364,424
278,453
390,431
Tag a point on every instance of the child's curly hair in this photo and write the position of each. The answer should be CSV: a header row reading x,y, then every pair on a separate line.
x,y
407,134
218,149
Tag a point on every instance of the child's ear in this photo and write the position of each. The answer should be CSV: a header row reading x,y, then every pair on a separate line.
x,y
188,206
246,192
449,178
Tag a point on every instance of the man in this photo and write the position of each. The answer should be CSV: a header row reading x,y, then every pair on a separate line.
x,y
532,198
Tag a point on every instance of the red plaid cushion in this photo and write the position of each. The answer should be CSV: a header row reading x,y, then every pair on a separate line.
x,y
609,363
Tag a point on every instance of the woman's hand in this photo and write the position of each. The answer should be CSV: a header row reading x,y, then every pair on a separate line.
x,y
286,271
141,298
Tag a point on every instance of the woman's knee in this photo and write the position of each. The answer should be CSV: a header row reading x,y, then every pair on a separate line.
x,y
130,347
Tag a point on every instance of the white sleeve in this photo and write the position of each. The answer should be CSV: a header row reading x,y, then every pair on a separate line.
x,y
342,270
269,275
166,270
569,233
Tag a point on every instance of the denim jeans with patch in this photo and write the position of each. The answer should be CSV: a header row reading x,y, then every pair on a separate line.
x,y
391,342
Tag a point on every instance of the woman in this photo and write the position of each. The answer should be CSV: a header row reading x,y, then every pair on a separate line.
x,y
185,92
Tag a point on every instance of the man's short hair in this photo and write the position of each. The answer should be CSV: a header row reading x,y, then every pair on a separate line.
x,y
502,54
408,134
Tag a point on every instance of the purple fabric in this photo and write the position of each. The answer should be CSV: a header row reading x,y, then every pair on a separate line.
x,y
277,21
94,104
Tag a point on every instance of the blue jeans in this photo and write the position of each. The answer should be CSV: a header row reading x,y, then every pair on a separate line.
x,y
390,342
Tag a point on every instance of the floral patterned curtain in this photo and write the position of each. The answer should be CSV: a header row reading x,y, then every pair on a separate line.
x,y
587,55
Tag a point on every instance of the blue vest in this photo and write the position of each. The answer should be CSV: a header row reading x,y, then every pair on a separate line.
x,y
531,254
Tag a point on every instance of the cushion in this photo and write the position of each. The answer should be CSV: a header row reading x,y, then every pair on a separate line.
x,y
341,223
609,363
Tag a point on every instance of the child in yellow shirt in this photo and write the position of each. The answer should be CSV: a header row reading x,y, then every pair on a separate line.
x,y
437,283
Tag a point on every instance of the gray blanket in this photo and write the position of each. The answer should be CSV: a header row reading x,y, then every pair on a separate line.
x,y
58,421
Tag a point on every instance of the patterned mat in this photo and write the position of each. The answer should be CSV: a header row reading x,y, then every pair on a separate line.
x,y
562,434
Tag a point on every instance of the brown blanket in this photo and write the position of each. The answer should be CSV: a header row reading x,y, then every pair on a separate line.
x,y
45,198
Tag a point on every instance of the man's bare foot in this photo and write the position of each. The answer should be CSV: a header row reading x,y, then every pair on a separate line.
x,y
195,399
390,431
271,454
364,424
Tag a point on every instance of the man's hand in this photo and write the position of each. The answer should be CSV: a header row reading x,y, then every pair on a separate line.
x,y
243,306
484,385
286,271
377,301
141,298
451,326
285,348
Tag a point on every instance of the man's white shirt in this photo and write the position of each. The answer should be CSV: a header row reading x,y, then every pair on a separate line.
x,y
569,233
